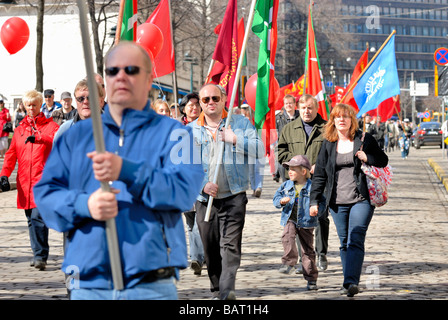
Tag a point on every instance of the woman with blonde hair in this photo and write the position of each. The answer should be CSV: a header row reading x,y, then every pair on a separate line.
x,y
338,177
161,107
30,147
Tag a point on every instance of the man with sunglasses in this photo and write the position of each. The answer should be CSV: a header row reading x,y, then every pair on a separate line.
x,y
222,234
49,105
151,185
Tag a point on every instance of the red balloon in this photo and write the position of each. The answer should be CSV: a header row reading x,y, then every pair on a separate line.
x,y
150,37
14,34
250,90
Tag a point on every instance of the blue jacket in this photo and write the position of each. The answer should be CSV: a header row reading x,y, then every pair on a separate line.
x,y
236,158
154,191
304,220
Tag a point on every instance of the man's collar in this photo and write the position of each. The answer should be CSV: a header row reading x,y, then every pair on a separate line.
x,y
201,118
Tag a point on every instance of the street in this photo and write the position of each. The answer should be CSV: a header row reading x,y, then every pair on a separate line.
x,y
406,248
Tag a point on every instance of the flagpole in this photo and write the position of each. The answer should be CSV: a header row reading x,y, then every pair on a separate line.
x,y
368,65
120,22
212,62
232,102
111,229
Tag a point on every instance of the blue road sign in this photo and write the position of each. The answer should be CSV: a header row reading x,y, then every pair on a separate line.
x,y
441,56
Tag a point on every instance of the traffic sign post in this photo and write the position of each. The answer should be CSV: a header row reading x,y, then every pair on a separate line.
x,y
441,56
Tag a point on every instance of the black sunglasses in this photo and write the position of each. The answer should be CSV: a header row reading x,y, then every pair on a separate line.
x,y
129,70
207,99
82,98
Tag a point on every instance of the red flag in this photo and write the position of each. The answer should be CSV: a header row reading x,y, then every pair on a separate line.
x,y
387,108
294,89
337,96
226,51
359,68
164,63
314,84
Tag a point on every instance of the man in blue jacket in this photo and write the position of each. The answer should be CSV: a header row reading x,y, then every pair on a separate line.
x,y
152,183
221,235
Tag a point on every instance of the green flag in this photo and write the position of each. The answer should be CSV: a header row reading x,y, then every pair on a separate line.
x,y
265,27
129,22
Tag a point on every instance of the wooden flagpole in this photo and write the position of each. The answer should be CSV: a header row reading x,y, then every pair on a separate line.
x,y
120,21
232,102
111,229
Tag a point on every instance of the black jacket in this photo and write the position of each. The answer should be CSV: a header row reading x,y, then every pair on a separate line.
x,y
324,172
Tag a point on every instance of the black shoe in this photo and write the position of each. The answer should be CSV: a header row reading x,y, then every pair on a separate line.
x,y
352,290
197,267
230,296
311,285
322,263
39,264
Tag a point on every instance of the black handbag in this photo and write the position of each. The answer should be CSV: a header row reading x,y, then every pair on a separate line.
x,y
8,127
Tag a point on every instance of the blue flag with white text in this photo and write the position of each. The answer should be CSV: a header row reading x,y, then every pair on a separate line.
x,y
379,82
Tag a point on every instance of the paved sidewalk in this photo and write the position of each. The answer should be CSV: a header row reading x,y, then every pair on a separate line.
x,y
406,248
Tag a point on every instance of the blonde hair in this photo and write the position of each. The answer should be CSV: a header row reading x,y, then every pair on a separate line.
x,y
341,109
159,102
303,99
307,173
83,85
32,96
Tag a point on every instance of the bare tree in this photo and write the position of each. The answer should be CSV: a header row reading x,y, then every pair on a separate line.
x,y
39,46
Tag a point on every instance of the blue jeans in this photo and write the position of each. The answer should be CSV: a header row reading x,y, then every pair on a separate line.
x,y
38,234
352,222
164,289
256,174
196,247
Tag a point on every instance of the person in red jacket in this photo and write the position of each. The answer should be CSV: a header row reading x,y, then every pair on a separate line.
x,y
30,147
4,118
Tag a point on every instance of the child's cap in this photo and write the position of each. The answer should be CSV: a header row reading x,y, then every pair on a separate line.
x,y
298,160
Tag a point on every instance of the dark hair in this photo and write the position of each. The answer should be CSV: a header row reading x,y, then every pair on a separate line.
x,y
188,97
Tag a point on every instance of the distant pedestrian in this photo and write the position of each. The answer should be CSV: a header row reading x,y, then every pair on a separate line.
x,y
5,117
19,114
338,177
67,111
49,105
404,144
161,107
293,197
30,147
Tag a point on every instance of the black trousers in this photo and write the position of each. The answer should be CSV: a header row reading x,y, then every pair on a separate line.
x,y
221,237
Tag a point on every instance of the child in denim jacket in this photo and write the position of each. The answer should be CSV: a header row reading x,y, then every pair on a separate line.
x,y
293,198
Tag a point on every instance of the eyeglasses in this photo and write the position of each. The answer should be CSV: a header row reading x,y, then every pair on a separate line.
x,y
48,96
207,99
129,70
82,98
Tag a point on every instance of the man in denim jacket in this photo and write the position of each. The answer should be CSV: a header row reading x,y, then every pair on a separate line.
x,y
221,235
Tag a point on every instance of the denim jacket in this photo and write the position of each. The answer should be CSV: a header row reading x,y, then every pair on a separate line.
x,y
236,158
304,220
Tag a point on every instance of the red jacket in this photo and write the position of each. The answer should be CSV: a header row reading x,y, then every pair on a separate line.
x,y
31,156
4,118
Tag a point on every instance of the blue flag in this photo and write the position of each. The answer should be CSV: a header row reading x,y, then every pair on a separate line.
x,y
379,82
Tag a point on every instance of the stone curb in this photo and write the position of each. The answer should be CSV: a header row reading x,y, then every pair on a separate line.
x,y
441,174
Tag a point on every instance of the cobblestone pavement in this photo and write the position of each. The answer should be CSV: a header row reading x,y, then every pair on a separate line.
x,y
406,248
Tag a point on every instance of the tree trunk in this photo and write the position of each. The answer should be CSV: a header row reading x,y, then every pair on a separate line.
x,y
96,40
39,46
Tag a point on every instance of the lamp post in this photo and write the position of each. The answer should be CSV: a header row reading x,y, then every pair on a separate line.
x,y
192,61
